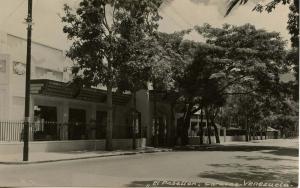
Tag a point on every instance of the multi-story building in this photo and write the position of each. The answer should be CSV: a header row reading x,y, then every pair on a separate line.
x,y
64,112
47,63
53,99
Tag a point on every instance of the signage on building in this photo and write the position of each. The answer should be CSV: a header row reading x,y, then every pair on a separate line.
x,y
19,68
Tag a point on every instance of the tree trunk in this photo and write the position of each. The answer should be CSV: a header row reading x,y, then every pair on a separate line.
x,y
247,129
171,131
266,131
155,141
215,127
109,127
201,128
249,133
261,133
134,115
209,133
216,132
208,126
186,125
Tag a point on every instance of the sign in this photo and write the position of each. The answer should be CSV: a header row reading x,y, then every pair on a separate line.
x,y
19,68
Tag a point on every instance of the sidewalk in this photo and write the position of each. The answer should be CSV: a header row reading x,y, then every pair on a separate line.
x,y
243,145
43,157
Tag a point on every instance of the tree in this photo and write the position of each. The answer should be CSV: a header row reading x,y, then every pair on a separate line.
x,y
97,28
198,88
234,57
292,26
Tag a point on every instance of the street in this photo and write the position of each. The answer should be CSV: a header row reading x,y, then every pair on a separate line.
x,y
275,161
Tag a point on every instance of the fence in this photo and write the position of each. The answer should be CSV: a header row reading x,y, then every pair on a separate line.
x,y
53,131
12,131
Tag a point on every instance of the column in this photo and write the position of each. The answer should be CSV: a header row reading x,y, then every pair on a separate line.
x,y
65,119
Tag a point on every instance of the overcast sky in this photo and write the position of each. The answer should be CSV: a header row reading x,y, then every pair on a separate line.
x,y
177,15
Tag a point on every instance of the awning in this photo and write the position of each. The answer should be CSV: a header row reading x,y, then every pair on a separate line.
x,y
60,89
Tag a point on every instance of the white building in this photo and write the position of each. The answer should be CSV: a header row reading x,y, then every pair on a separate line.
x,y
46,63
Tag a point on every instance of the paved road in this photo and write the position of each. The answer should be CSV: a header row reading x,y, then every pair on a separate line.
x,y
269,164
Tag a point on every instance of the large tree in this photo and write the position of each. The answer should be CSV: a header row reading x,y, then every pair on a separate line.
x,y
292,26
97,29
234,57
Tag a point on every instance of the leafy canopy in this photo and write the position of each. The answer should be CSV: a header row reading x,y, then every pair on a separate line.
x,y
100,29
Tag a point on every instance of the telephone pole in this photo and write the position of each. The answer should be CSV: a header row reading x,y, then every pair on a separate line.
x,y
27,86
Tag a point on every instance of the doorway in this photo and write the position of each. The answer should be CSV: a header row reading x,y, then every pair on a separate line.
x,y
77,124
101,123
45,123
160,132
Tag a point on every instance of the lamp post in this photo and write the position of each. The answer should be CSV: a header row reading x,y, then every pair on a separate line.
x,y
27,86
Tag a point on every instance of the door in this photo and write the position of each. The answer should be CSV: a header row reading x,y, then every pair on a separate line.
x,y
77,124
162,131
45,126
101,122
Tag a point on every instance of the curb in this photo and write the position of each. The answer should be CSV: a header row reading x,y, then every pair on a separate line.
x,y
86,157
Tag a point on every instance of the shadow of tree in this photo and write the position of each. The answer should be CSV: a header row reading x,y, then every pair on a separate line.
x,y
140,184
255,176
293,152
274,150
254,158
247,167
244,172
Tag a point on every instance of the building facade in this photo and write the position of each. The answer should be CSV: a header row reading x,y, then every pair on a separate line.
x,y
60,111
54,100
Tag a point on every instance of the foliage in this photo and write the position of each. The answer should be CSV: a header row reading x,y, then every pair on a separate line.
x,y
236,60
253,60
97,42
292,25
100,29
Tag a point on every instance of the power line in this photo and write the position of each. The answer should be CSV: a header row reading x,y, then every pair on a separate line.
x,y
12,13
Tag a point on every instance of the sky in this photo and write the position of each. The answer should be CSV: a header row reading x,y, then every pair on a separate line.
x,y
177,15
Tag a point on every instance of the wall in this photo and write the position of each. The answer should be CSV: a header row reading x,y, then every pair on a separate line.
x,y
46,62
142,100
4,85
63,105
65,146
196,140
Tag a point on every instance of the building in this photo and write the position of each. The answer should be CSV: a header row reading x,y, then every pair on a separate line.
x,y
55,103
61,112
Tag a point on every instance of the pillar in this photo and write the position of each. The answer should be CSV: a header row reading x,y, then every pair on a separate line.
x,y
65,119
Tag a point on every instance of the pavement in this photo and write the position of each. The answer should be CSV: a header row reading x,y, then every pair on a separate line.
x,y
242,145
45,157
271,162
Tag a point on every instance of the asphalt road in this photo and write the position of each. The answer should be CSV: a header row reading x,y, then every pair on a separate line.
x,y
266,164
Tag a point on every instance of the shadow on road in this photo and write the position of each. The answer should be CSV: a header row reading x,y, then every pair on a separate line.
x,y
140,184
254,173
275,150
254,158
293,152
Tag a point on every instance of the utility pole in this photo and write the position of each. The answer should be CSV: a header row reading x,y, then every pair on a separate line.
x,y
27,86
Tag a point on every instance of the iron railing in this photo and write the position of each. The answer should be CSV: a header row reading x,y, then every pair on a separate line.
x,y
53,131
